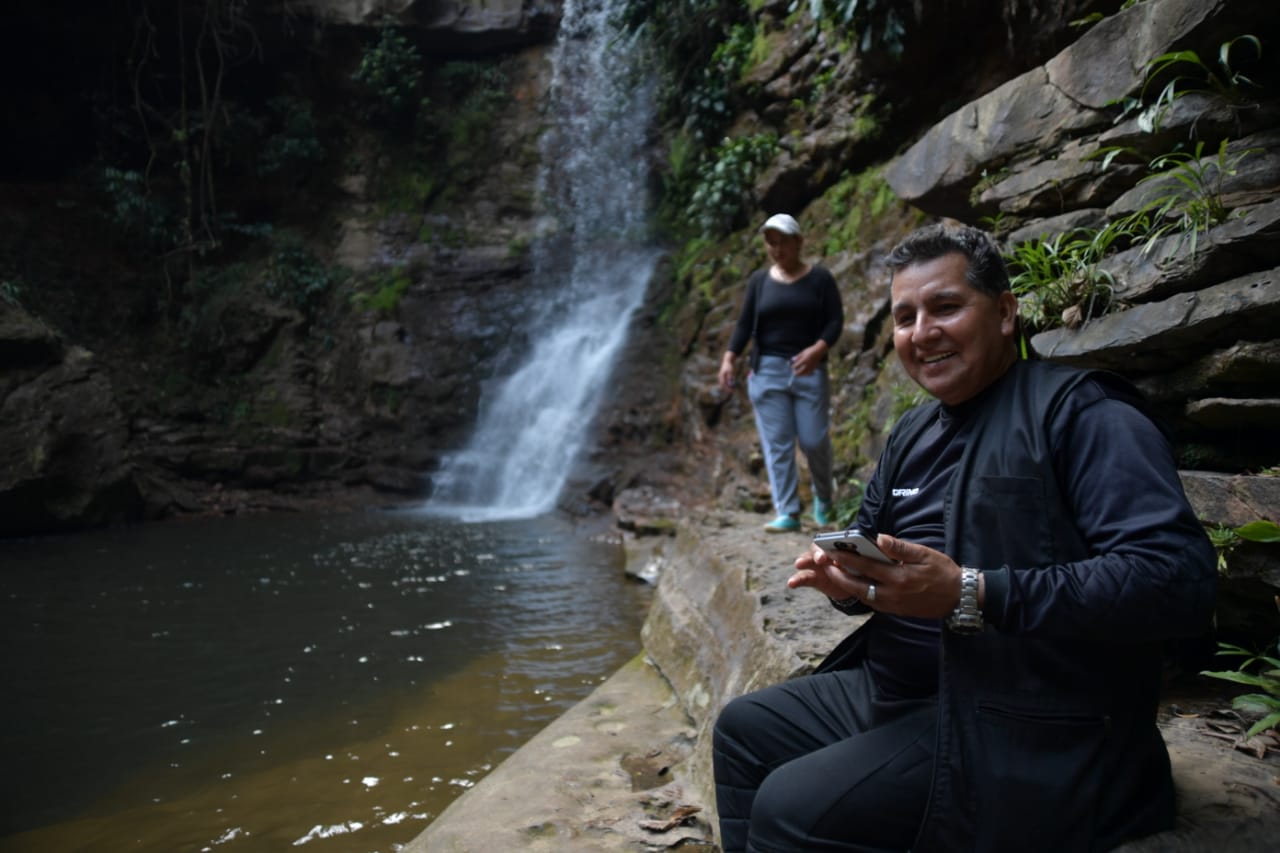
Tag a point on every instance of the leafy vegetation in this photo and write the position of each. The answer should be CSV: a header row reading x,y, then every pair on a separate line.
x,y
11,291
1093,18
853,202
1257,670
450,147
293,146
1184,72
1058,280
848,500
296,276
464,124
688,38
1226,539
709,105
146,220
390,72
905,398
879,23
1192,199
387,290
725,182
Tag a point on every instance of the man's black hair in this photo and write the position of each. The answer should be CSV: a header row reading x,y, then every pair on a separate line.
x,y
987,272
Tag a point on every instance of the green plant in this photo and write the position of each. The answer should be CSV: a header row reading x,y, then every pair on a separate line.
x,y
1259,531
296,275
294,146
986,180
1190,199
1089,20
390,72
451,145
1058,280
847,502
144,217
11,291
709,106
879,23
1185,72
724,185
905,398
853,201
1226,539
701,46
389,288
1266,678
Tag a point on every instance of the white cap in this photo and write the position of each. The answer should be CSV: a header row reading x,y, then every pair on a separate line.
x,y
782,222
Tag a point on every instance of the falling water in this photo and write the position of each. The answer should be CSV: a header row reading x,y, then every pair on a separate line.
x,y
594,264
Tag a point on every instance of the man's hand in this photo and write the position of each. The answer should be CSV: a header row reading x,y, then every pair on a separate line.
x,y
921,582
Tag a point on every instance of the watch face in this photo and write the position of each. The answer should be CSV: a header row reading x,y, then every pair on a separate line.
x,y
965,624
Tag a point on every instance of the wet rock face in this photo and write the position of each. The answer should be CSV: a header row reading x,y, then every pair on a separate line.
x,y
475,26
253,399
63,438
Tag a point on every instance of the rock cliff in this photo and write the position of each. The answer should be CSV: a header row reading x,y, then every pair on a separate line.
x,y
1058,161
332,340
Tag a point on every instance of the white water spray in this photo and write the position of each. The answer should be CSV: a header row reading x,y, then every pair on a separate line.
x,y
593,266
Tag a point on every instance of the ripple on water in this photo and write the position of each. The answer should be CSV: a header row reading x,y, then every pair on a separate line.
x,y
251,675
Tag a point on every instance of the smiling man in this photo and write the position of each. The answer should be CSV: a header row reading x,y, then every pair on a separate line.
x,y
1003,694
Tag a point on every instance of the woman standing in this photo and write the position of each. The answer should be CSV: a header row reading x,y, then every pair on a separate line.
x,y
793,312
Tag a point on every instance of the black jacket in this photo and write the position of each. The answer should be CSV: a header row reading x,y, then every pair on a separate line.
x,y
1047,735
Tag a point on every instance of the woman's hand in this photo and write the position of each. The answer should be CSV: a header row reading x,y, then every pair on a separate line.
x,y
807,360
726,372
921,582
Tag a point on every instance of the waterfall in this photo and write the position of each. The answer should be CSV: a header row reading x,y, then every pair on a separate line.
x,y
592,267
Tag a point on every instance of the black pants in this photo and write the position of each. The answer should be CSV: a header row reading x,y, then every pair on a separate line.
x,y
822,763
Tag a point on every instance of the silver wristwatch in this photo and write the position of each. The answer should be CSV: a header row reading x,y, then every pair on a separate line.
x,y
967,618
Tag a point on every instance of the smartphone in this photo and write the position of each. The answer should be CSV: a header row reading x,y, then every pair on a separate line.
x,y
850,540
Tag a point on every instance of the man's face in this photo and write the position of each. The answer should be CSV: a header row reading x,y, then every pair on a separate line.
x,y
953,339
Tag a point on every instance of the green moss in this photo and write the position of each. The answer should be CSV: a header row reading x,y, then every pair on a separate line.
x,y
761,48
384,293
848,432
852,203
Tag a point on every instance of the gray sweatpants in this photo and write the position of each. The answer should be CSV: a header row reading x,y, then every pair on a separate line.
x,y
791,409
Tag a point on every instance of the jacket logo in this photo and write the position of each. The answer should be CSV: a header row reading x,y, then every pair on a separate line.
x,y
905,493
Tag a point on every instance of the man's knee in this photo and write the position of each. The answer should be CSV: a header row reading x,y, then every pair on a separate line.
x,y
780,813
735,722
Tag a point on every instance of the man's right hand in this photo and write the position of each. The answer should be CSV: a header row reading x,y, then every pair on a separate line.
x,y
818,569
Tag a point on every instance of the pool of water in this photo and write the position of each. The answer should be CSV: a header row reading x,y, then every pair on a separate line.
x,y
261,683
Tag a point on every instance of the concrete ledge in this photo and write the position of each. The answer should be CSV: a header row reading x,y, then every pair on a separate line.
x,y
628,768
599,778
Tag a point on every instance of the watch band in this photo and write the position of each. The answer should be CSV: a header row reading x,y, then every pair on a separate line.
x,y
967,618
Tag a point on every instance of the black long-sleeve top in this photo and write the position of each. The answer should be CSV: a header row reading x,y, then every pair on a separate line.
x,y
787,318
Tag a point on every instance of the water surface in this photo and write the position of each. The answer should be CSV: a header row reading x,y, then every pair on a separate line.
x,y
259,683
